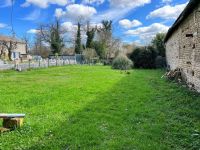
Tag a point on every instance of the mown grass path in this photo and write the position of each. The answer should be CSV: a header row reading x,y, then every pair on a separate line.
x,y
94,107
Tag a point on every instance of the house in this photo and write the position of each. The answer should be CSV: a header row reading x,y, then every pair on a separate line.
x,y
183,44
19,51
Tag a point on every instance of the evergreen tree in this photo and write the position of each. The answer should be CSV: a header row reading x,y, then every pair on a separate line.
x,y
99,48
57,42
90,36
52,34
78,49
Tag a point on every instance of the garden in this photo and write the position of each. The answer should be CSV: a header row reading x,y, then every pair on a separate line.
x,y
96,107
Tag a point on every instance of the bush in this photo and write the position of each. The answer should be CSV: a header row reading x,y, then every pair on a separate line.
x,y
144,57
122,62
160,62
89,55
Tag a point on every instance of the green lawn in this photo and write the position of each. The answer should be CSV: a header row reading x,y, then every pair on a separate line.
x,y
94,107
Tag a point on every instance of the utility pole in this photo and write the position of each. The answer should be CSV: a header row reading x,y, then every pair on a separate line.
x,y
11,20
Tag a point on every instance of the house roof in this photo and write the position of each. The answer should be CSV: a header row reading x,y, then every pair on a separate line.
x,y
186,12
8,38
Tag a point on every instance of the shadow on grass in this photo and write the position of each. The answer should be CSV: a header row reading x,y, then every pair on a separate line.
x,y
139,112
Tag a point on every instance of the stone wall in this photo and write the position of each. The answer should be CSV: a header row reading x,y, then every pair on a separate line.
x,y
183,49
21,47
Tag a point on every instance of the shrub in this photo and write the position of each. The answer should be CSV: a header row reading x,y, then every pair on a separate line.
x,y
144,57
160,62
122,62
89,55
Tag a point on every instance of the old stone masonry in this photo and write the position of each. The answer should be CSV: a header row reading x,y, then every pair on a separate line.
x,y
183,44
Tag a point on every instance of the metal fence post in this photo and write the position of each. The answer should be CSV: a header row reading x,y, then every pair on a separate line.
x,y
29,64
39,62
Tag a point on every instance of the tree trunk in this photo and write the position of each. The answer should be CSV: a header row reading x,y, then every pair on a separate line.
x,y
1,53
10,55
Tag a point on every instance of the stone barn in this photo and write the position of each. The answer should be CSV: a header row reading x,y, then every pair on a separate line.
x,y
183,44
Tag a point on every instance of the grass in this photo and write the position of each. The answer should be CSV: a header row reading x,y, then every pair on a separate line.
x,y
94,107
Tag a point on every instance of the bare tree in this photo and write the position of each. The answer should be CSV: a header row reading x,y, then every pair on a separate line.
x,y
115,48
26,39
9,45
36,50
89,54
105,37
2,49
52,34
39,48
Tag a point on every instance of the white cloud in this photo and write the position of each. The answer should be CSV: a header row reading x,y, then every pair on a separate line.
x,y
7,3
33,31
59,13
71,31
69,26
80,11
98,2
125,23
76,12
128,3
94,25
167,12
2,25
119,8
33,15
46,3
148,32
167,1
112,14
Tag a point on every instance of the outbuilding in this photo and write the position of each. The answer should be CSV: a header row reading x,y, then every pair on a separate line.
x,y
20,50
183,44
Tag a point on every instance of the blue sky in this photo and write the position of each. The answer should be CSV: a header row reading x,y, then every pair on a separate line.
x,y
133,20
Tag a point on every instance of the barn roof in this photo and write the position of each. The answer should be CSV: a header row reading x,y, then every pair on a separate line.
x,y
186,12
